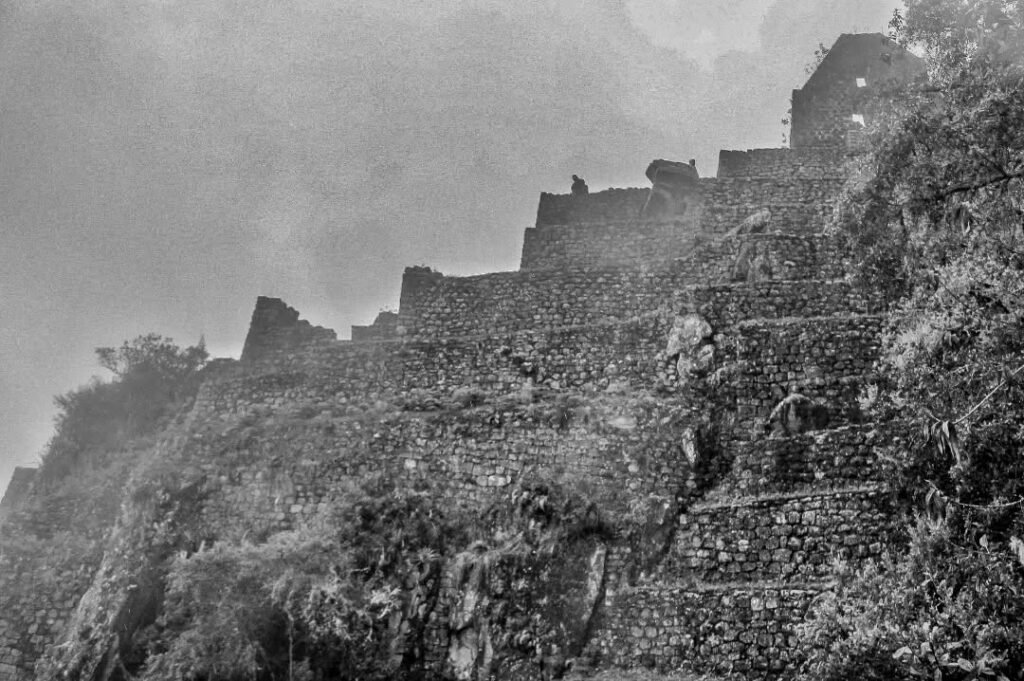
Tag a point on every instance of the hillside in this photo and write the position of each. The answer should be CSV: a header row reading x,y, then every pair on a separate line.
x,y
646,449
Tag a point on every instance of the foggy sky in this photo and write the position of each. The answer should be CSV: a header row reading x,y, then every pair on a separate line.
x,y
163,162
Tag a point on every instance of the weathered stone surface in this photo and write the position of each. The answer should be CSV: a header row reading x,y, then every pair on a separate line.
x,y
752,265
796,414
755,223
687,334
506,302
690,345
674,190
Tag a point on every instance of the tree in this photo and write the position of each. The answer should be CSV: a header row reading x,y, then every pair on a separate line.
x,y
153,378
949,158
940,224
154,355
940,227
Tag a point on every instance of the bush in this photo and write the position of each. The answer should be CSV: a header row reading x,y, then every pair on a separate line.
x,y
153,380
942,611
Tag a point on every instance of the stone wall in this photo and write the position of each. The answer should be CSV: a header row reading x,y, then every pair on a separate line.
x,y
610,205
275,325
384,326
40,584
347,375
705,258
633,244
839,457
821,357
760,257
757,179
742,629
506,302
50,547
781,164
469,455
779,537
825,358
798,206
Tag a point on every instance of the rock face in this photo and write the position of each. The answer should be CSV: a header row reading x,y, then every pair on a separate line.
x,y
554,620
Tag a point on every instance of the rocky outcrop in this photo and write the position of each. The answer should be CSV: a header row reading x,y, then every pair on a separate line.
x,y
675,189
690,346
498,630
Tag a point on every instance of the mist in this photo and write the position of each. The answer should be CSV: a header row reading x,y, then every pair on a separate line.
x,y
164,162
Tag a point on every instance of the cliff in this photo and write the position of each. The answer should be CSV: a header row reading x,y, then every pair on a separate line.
x,y
644,450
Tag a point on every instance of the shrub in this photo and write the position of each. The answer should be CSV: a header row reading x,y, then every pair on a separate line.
x,y
153,379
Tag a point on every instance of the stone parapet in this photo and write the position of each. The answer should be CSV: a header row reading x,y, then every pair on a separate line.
x,y
782,163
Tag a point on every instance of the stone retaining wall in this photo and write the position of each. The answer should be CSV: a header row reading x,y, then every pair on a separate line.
x,y
817,460
505,302
745,629
470,456
657,246
797,206
607,244
788,538
604,230
609,205
40,585
826,358
781,164
340,374
50,548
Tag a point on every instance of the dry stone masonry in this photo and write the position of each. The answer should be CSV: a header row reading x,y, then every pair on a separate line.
x,y
694,354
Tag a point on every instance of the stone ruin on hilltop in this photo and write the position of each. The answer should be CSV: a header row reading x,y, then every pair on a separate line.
x,y
719,351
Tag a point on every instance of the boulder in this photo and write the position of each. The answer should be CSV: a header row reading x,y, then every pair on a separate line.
x,y
689,343
675,186
688,332
673,173
698,363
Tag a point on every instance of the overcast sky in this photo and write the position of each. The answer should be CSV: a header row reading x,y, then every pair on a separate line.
x,y
163,162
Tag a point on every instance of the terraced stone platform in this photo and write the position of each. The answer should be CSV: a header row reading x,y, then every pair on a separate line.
x,y
574,368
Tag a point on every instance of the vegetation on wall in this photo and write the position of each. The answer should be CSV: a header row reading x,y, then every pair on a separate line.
x,y
356,593
940,226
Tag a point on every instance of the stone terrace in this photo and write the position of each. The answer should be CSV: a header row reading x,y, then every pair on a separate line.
x,y
571,366
592,308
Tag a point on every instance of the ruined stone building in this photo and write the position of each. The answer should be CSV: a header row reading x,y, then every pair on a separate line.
x,y
681,317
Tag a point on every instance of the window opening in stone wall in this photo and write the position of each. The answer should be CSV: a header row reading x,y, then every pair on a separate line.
x,y
858,118
862,82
